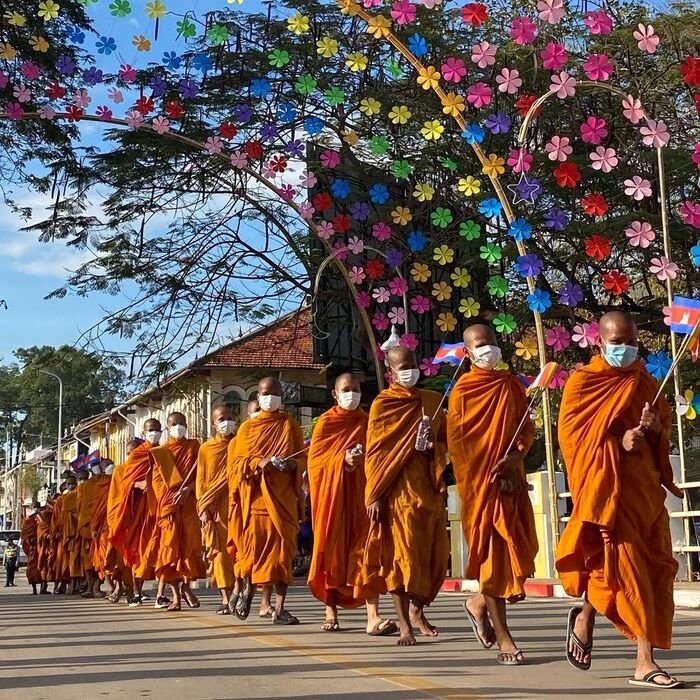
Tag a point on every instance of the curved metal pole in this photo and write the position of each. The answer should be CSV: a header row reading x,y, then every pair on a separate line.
x,y
59,453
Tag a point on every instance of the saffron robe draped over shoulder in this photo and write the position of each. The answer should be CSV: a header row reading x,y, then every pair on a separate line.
x,y
180,541
213,498
60,557
271,504
86,501
72,544
28,535
44,543
338,513
485,410
99,530
617,545
131,525
408,546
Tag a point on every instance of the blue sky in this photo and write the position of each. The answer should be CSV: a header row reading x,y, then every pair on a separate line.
x,y
30,270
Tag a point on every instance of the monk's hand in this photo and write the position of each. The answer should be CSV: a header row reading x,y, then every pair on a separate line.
x,y
507,467
177,499
204,517
352,461
374,511
263,466
94,534
140,485
632,440
650,419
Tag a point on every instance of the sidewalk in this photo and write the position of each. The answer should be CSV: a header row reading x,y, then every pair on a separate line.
x,y
685,595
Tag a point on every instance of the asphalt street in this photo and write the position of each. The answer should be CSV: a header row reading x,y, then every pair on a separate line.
x,y
56,647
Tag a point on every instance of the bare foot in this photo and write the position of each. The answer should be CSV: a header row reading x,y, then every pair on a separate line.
x,y
406,639
419,620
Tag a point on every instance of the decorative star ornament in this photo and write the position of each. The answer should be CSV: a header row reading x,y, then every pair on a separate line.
x,y
524,190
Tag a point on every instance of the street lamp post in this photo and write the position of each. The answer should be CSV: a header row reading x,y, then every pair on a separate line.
x,y
60,423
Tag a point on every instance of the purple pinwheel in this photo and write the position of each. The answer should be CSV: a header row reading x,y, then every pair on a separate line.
x,y
158,85
360,211
394,258
65,65
529,265
556,219
92,76
243,113
268,132
571,294
295,148
498,123
188,89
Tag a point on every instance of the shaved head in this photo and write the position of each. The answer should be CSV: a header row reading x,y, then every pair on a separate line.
x,y
347,382
269,386
176,418
133,444
401,357
152,424
478,335
618,328
221,412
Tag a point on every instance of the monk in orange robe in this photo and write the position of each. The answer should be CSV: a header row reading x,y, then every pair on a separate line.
x,y
71,539
45,546
486,408
131,521
116,569
407,544
96,526
616,548
338,514
60,556
28,535
87,489
180,539
212,494
270,497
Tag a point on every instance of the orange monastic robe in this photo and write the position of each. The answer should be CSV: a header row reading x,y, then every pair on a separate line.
x,y
86,500
71,539
485,410
617,546
131,526
60,556
408,547
28,535
212,497
271,504
180,537
44,543
338,512
98,528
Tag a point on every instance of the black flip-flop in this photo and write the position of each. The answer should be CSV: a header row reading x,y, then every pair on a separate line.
x,y
195,605
649,681
330,626
233,602
517,660
284,618
243,607
223,610
571,637
386,631
475,627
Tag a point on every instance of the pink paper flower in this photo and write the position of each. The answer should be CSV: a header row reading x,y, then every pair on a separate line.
x,y
563,85
598,67
663,268
380,321
134,119
239,159
381,295
363,300
381,231
330,159
409,340
325,230
127,72
357,274
4,80
509,81
551,11
115,95
356,245
586,334
484,54
14,111
479,95
420,305
559,379
428,367
21,93
523,30
520,160
47,112
690,211
558,338
338,247
287,192
397,315
81,98
214,145
640,234
638,188
398,286
104,113
696,155
268,171
598,22
453,70
655,134
646,37
308,179
632,109
403,12
558,148
554,56
30,70
593,130
306,210
603,159
666,310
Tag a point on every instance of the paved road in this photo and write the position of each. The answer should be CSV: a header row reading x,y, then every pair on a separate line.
x,y
56,648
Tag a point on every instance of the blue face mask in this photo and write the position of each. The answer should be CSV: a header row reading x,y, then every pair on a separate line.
x,y
620,355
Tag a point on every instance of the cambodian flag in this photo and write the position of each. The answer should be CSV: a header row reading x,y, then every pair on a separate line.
x,y
452,353
685,314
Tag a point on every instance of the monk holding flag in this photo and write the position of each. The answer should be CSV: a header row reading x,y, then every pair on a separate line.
x,y
270,497
486,409
340,524
179,558
213,504
616,549
407,544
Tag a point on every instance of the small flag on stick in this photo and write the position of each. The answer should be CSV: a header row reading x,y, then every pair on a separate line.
x,y
544,378
452,353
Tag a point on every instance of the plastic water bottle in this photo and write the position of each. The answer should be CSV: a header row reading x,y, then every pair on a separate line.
x,y
354,452
422,435
278,463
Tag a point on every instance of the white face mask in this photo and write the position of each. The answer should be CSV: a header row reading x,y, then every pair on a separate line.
x,y
407,377
254,414
270,402
226,427
177,431
96,469
349,400
153,436
487,356
109,469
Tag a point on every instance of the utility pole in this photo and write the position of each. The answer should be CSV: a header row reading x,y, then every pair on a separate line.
x,y
59,453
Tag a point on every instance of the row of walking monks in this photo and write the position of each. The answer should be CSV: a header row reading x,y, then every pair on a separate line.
x,y
378,505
